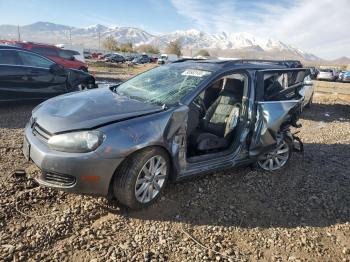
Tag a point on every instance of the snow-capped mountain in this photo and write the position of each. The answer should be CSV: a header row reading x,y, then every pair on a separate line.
x,y
221,44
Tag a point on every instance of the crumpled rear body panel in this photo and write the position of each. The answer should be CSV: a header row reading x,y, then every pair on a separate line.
x,y
269,118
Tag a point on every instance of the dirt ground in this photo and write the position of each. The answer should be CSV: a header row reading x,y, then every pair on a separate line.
x,y
299,214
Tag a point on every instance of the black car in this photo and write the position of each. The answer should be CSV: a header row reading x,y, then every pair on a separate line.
x,y
129,58
25,75
144,59
115,58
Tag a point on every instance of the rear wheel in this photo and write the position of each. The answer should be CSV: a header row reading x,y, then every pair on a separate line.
x,y
276,158
141,178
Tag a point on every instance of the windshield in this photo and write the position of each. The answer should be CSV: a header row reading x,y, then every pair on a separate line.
x,y
163,85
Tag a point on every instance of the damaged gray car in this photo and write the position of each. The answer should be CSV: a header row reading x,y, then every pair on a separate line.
x,y
187,118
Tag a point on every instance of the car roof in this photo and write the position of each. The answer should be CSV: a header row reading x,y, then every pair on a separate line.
x,y
10,47
215,64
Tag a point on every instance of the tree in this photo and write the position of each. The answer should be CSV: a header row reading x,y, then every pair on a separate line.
x,y
146,48
127,47
202,52
110,44
174,47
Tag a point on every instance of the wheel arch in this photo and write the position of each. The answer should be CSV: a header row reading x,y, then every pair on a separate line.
x,y
172,175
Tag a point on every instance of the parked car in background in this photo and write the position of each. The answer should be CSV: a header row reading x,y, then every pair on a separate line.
x,y
172,122
77,50
96,55
143,59
129,57
87,55
115,58
327,74
105,56
167,58
346,77
26,75
53,52
341,75
153,59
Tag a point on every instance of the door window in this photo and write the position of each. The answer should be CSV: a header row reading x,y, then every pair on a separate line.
x,y
9,57
30,59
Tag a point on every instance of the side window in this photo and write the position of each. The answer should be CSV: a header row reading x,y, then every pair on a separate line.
x,y
9,57
282,85
65,54
45,51
30,59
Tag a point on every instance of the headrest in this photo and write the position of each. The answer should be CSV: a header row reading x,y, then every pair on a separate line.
x,y
234,86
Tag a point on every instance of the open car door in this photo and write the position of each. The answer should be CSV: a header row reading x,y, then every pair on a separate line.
x,y
278,105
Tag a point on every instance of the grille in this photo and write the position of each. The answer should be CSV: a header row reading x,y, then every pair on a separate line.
x,y
59,179
41,133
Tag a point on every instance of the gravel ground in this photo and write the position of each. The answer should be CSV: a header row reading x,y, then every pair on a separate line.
x,y
299,214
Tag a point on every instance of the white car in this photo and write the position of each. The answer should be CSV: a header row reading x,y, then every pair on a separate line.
x,y
167,58
328,74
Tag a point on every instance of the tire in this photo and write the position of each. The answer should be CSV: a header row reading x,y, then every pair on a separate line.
x,y
128,187
265,163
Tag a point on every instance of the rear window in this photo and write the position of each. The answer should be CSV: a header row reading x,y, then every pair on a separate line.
x,y
67,54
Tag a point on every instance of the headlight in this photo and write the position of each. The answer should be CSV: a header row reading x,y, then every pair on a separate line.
x,y
77,142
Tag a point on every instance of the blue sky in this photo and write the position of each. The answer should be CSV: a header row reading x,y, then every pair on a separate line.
x,y
316,26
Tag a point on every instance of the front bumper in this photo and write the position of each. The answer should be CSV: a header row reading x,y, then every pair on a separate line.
x,y
82,173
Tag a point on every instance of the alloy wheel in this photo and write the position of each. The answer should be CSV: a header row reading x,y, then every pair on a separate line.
x,y
276,158
151,179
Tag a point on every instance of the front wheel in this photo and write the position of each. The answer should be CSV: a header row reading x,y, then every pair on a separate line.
x,y
276,158
141,178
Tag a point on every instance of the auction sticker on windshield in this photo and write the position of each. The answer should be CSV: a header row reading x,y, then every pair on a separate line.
x,y
195,72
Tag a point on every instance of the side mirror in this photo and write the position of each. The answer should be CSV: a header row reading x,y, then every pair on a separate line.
x,y
72,58
57,69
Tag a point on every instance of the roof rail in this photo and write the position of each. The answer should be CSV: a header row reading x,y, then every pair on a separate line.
x,y
265,61
289,63
188,59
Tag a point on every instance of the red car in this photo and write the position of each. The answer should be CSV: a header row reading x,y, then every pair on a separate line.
x,y
56,54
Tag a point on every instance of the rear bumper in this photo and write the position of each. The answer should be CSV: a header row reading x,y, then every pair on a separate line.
x,y
82,173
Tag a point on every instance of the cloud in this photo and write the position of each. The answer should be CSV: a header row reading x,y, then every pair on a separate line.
x,y
317,26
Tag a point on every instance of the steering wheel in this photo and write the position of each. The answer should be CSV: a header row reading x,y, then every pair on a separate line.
x,y
199,102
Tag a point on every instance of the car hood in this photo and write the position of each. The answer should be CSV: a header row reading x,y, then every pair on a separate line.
x,y
88,109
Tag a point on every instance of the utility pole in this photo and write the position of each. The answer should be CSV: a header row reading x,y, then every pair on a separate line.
x,y
99,39
70,35
19,34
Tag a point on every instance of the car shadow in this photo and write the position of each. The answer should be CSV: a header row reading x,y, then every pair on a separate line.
x,y
16,115
312,191
327,113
